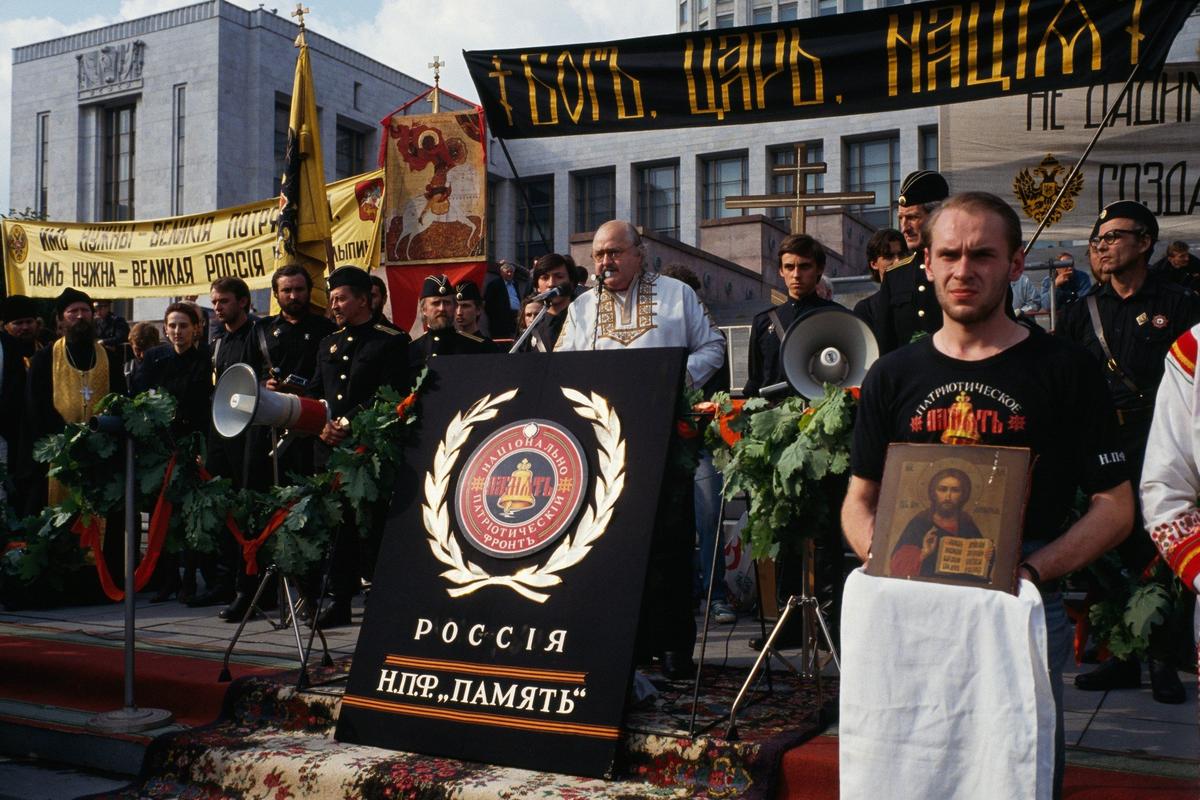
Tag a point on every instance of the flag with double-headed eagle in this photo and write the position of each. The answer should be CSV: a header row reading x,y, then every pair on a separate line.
x,y
304,217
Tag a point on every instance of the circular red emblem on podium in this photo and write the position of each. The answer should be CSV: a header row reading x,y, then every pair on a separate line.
x,y
521,488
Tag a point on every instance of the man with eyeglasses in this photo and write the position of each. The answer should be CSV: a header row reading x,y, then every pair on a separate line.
x,y
1129,323
638,309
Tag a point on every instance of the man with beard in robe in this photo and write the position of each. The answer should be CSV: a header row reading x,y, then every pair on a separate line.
x,y
66,382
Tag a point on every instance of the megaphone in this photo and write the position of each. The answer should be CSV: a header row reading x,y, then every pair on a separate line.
x,y
239,401
827,345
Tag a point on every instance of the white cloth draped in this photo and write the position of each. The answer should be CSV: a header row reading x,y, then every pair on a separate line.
x,y
945,692
654,311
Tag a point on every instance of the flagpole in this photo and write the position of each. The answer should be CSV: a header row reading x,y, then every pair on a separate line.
x,y
1108,117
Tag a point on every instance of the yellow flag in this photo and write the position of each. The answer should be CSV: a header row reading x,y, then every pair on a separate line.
x,y
304,219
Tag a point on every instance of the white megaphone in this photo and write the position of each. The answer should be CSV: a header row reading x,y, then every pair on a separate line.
x,y
239,402
827,345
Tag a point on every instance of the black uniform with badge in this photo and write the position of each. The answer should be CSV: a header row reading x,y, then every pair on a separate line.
x,y
766,336
293,346
291,354
447,342
353,362
907,304
469,292
1131,337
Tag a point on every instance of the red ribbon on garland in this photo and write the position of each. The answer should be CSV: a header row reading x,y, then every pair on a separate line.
x,y
89,537
250,547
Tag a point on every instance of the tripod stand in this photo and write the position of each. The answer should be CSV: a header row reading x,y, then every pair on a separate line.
x,y
813,620
288,615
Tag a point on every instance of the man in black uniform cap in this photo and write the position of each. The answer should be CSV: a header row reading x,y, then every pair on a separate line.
x,y
468,311
352,363
1129,323
801,265
906,305
438,304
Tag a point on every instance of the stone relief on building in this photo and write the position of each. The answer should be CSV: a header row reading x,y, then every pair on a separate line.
x,y
110,69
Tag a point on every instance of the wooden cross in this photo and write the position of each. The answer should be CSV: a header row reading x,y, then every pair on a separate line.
x,y
801,199
436,65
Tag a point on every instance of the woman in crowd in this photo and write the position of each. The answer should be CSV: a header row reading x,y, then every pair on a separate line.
x,y
183,369
142,337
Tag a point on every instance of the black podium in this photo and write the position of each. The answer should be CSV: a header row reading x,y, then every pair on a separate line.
x,y
502,616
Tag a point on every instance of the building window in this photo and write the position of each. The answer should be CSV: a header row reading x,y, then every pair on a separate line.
x,y
595,199
724,20
873,165
658,198
761,16
535,220
683,12
787,12
177,149
117,157
929,147
785,155
351,152
723,177
357,95
702,6
892,2
852,5
283,115
826,8
42,199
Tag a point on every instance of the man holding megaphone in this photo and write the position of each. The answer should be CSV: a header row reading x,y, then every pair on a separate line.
x,y
352,363
801,265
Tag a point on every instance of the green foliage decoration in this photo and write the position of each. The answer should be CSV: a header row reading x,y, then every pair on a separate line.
x,y
790,461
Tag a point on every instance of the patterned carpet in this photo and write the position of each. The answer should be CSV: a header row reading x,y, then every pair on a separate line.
x,y
273,742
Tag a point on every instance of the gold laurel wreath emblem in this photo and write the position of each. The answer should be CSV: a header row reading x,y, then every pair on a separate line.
x,y
467,576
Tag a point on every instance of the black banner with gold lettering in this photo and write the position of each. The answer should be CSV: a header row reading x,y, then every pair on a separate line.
x,y
923,54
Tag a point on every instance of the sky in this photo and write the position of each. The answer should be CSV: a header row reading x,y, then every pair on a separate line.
x,y
385,30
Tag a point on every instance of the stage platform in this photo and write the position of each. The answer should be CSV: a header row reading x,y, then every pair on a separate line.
x,y
64,665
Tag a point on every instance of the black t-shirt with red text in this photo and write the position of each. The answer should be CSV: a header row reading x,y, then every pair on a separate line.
x,y
1042,393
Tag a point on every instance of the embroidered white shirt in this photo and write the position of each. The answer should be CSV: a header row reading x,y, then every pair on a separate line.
x,y
654,311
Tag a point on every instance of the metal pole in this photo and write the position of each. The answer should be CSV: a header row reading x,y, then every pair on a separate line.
x,y
525,197
1108,117
529,328
131,537
130,719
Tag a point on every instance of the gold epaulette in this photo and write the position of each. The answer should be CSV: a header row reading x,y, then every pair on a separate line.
x,y
471,336
385,329
904,262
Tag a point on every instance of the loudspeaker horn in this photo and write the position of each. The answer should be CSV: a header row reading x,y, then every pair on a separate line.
x,y
827,345
239,401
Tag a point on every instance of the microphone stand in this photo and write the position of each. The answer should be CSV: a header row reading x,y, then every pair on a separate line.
x,y
525,334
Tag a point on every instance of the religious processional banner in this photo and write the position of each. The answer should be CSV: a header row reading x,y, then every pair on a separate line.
x,y
1023,147
506,593
435,203
923,54
179,255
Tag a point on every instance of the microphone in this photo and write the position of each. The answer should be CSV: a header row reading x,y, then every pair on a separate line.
x,y
556,291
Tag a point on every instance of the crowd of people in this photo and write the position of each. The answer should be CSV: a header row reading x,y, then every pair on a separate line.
x,y
953,315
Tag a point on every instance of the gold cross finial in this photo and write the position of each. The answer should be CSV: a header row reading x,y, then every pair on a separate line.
x,y
434,96
299,14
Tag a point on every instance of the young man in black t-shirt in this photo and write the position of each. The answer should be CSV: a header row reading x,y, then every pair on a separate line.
x,y
1001,383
